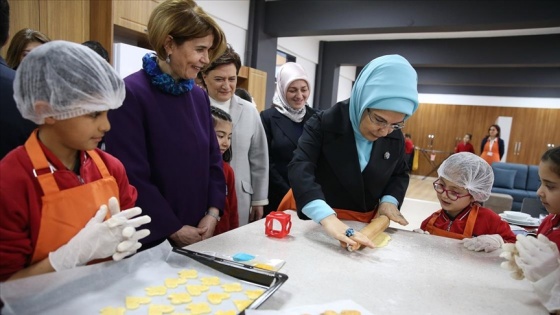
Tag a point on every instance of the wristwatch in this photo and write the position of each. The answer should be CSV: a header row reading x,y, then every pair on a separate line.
x,y
217,217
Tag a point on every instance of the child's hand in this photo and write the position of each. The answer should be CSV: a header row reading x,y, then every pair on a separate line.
x,y
421,231
538,257
487,243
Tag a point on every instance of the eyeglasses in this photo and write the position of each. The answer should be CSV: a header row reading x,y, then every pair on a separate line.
x,y
452,195
382,123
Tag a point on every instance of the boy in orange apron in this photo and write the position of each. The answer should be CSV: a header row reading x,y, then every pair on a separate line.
x,y
54,190
464,181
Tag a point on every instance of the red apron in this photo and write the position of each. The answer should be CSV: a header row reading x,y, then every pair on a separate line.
x,y
64,213
289,203
468,227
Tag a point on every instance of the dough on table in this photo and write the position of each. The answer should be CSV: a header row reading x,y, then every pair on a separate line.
x,y
156,290
217,298
133,302
160,309
354,312
172,283
381,240
179,298
196,290
109,310
231,312
253,294
210,281
188,274
199,308
232,287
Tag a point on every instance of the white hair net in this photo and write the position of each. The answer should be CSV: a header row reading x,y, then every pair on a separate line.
x,y
469,171
72,78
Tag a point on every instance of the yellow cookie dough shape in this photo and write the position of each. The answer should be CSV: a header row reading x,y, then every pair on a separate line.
x,y
196,290
253,294
172,283
157,290
133,302
188,274
232,287
179,298
210,281
199,308
264,266
226,312
381,240
217,298
352,312
160,309
242,304
109,310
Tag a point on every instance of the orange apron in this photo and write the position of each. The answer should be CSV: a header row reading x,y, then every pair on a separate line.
x,y
469,227
289,203
494,155
64,213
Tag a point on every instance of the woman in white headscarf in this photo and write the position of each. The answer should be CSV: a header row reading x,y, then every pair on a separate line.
x,y
283,123
349,164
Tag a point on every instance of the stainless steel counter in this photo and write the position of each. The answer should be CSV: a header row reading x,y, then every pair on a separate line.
x,y
414,274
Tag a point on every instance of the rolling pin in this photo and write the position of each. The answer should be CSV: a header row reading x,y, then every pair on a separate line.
x,y
374,228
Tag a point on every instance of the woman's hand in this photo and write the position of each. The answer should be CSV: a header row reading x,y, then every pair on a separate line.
x,y
392,212
337,229
188,235
256,213
209,221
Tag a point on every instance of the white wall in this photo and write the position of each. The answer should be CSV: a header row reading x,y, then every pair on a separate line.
x,y
345,81
233,17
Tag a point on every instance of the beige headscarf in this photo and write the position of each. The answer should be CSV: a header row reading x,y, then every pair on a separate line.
x,y
288,73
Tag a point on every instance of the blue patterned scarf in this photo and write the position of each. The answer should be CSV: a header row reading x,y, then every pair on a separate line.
x,y
164,81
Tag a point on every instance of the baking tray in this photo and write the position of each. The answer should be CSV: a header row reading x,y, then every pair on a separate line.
x,y
269,280
88,289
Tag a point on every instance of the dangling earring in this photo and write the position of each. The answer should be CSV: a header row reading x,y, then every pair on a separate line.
x,y
168,59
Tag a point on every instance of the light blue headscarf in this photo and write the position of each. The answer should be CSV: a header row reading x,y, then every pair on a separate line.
x,y
386,83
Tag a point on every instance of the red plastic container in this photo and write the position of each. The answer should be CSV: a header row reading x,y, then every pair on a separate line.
x,y
285,221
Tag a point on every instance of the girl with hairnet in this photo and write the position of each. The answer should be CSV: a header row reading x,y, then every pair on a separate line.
x,y
60,196
349,163
465,180
538,259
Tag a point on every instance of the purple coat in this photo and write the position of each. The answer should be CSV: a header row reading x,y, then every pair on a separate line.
x,y
168,146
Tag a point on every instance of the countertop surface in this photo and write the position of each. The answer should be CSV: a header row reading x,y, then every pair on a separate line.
x,y
414,273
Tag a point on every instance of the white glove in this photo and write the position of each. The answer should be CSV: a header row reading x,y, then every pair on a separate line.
x,y
100,239
421,231
509,252
130,245
538,257
486,242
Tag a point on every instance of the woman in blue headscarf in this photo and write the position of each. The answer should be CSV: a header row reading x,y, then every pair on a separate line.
x,y
349,164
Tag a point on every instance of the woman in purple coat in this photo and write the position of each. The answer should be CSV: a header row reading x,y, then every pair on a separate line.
x,y
164,134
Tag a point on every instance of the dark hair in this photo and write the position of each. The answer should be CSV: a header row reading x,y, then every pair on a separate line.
x,y
244,94
553,156
497,128
229,56
98,48
4,21
19,41
218,114
407,135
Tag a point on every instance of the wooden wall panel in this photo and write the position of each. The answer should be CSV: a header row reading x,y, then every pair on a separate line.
x,y
23,14
65,20
533,127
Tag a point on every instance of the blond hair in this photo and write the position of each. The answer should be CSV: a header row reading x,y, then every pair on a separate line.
x,y
183,20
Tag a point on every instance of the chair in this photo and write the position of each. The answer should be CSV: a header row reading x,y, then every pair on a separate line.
x,y
533,206
499,202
